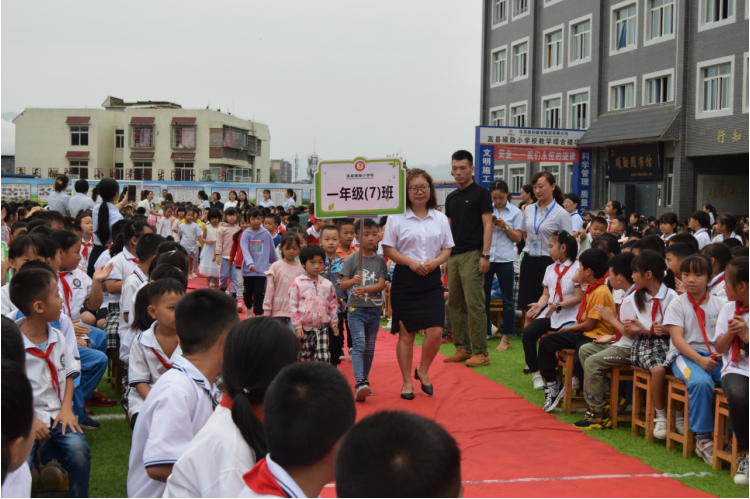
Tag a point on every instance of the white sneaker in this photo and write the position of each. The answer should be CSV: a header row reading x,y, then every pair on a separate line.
x,y
740,478
660,428
705,449
494,329
389,325
194,275
679,424
575,385
539,383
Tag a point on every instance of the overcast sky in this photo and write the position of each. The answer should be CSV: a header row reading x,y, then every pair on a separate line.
x,y
364,78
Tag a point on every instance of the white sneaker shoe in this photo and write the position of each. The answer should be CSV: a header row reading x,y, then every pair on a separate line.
x,y
494,329
539,383
660,428
705,449
679,424
575,385
389,325
740,478
194,275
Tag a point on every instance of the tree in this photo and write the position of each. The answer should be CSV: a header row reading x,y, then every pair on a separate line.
x,y
272,177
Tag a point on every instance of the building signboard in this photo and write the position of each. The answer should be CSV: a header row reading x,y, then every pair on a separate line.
x,y
634,162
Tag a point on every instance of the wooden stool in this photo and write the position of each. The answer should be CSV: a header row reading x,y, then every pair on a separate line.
x,y
116,371
721,433
677,392
496,308
643,416
565,360
617,374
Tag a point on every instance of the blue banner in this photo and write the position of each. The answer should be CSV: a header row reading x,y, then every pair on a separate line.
x,y
484,170
582,179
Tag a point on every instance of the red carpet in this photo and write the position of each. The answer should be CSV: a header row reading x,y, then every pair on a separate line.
x,y
509,447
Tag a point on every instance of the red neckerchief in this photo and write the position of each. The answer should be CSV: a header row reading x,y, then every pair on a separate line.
x,y
655,307
633,289
86,247
227,401
66,291
590,289
163,361
736,340
36,352
135,260
700,314
718,281
558,286
261,481
609,225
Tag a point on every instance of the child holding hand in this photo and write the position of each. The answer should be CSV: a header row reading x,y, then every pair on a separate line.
x,y
279,279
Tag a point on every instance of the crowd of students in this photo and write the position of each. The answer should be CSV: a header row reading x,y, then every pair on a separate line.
x,y
220,407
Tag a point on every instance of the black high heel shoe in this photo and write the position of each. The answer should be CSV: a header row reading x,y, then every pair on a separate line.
x,y
407,396
425,388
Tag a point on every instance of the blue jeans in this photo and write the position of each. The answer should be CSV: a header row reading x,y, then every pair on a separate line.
x,y
72,451
363,328
505,275
227,276
98,339
700,388
93,365
287,321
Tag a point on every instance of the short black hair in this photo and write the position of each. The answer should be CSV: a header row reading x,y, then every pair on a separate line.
x,y
12,343
293,218
599,220
718,252
151,293
651,243
398,454
147,246
607,243
684,238
696,263
668,218
621,265
344,222
274,217
574,198
729,243
311,251
681,250
368,223
329,227
29,286
52,216
596,260
571,246
623,221
309,406
81,186
198,330
461,155
21,244
702,218
254,213
214,212
18,401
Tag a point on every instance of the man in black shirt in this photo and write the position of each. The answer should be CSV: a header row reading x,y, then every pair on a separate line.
x,y
469,212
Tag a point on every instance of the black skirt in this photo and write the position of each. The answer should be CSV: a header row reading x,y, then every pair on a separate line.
x,y
417,301
532,275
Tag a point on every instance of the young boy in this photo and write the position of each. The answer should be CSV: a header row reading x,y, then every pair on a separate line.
x,y
184,397
329,241
346,232
306,412
398,454
700,222
51,368
313,232
619,226
258,254
676,253
597,228
364,303
188,235
589,326
271,223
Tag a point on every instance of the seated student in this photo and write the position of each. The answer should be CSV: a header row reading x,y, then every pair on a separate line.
x,y
725,228
676,253
559,301
56,428
306,412
589,324
183,399
692,321
398,454
619,226
700,224
719,255
731,341
233,438
597,228
608,243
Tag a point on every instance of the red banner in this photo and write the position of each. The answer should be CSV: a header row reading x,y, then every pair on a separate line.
x,y
535,154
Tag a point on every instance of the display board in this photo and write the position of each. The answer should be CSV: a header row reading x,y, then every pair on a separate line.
x,y
16,192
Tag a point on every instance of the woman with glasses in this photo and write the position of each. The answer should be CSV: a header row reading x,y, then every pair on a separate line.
x,y
419,242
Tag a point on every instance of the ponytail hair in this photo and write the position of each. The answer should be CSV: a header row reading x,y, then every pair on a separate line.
x,y
66,239
256,350
719,252
528,189
61,183
171,257
617,206
571,246
107,189
292,193
648,261
737,270
133,228
557,192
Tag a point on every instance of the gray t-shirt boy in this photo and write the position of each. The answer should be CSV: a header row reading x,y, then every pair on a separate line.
x,y
373,269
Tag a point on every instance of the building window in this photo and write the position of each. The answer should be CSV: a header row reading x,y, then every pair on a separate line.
x,y
499,171
745,81
552,108
554,49
555,171
184,172
520,60
717,87
79,135
519,115
119,139
497,117
718,10
183,137
581,41
623,96
669,168
579,111
498,66
659,89
142,170
142,137
499,11
520,7
119,171
257,176
80,168
568,177
624,28
661,18
517,178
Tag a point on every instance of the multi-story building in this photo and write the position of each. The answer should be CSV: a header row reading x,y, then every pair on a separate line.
x,y
282,169
668,76
142,141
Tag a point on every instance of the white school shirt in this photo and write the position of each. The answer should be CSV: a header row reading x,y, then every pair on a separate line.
x,y
568,314
79,202
680,313
122,266
721,238
666,238
18,483
214,462
144,366
80,286
629,310
717,288
47,401
555,220
8,309
740,364
103,261
85,258
177,407
127,299
420,239
703,238
269,203
285,481
502,250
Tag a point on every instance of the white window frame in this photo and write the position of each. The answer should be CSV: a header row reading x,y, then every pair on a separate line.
x,y
613,31
669,191
703,25
512,9
526,114
625,81
571,44
570,94
547,3
568,177
647,40
552,164
729,111
561,43
745,78
651,76
511,181
494,84
507,13
505,115
143,166
120,139
546,98
499,172
511,76
186,173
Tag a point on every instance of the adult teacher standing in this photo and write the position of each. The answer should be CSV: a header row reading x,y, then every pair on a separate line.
x,y
103,217
469,212
540,221
419,242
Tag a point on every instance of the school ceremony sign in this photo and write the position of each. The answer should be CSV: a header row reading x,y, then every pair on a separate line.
x,y
360,186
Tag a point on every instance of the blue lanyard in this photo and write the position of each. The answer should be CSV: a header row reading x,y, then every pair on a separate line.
x,y
536,210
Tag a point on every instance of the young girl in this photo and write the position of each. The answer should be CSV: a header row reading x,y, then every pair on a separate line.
x,y
235,263
692,321
156,347
223,248
85,222
613,209
256,350
177,221
104,258
725,227
667,226
561,297
164,227
719,254
208,266
279,279
731,341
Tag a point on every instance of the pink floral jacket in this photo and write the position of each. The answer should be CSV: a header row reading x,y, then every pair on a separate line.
x,y
312,303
